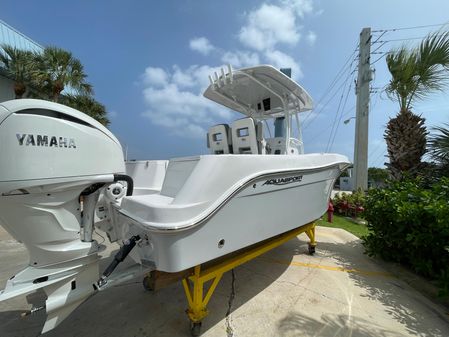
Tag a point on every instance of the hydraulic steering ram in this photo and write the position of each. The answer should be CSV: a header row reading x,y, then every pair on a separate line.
x,y
123,252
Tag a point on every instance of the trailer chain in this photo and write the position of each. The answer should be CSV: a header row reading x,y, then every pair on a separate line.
x,y
229,328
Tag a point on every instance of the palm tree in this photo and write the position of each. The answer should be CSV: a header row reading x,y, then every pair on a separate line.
x,y
60,70
20,66
87,105
48,74
416,73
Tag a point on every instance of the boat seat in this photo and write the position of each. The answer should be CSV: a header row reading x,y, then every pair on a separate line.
x,y
247,136
219,139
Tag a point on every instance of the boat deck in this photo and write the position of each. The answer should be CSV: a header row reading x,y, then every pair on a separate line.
x,y
339,291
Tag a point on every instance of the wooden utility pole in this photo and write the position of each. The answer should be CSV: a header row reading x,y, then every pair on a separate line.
x,y
362,112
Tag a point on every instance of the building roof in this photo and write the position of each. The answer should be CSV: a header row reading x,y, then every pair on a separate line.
x,y
11,36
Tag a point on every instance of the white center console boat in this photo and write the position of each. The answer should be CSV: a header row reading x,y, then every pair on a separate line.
x,y
62,174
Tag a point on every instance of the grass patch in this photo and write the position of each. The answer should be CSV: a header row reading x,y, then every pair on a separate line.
x,y
344,223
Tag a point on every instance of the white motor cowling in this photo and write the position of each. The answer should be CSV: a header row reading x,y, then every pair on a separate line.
x,y
53,156
50,153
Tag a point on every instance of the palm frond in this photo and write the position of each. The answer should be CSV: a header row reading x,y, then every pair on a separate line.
x,y
88,105
439,144
401,64
418,72
19,65
62,69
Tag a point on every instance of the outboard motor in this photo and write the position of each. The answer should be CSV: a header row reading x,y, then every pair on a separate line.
x,y
52,158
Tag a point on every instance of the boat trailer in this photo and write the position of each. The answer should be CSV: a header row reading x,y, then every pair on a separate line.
x,y
201,281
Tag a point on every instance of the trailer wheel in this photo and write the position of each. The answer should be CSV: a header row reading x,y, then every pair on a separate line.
x,y
146,283
311,249
195,329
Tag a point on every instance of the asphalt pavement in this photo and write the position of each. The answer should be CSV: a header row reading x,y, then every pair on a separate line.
x,y
339,291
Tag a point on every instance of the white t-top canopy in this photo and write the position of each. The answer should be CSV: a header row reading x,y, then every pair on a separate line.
x,y
260,92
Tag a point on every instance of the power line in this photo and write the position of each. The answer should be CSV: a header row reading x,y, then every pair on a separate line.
x,y
378,38
407,28
380,156
341,117
379,58
376,148
332,85
349,111
380,46
324,105
408,38
377,99
330,88
327,102
404,39
384,42
335,119
320,133
373,152
343,84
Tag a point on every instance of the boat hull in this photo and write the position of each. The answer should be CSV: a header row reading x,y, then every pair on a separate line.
x,y
261,209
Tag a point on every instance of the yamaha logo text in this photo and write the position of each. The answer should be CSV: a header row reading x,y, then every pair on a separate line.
x,y
283,181
44,140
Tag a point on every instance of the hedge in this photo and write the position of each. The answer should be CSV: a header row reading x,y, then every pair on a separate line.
x,y
409,224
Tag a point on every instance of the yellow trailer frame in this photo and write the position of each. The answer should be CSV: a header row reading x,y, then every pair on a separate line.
x,y
194,285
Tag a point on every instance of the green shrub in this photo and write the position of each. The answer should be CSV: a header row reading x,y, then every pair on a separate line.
x,y
409,224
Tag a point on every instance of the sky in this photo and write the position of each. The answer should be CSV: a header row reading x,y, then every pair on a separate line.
x,y
149,62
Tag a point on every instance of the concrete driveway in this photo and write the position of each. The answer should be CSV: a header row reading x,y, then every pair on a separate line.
x,y
337,292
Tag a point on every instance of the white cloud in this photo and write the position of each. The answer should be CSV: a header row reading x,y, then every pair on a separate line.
x,y
179,104
300,7
241,59
182,78
174,98
268,26
194,76
281,60
155,76
273,24
311,37
201,45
